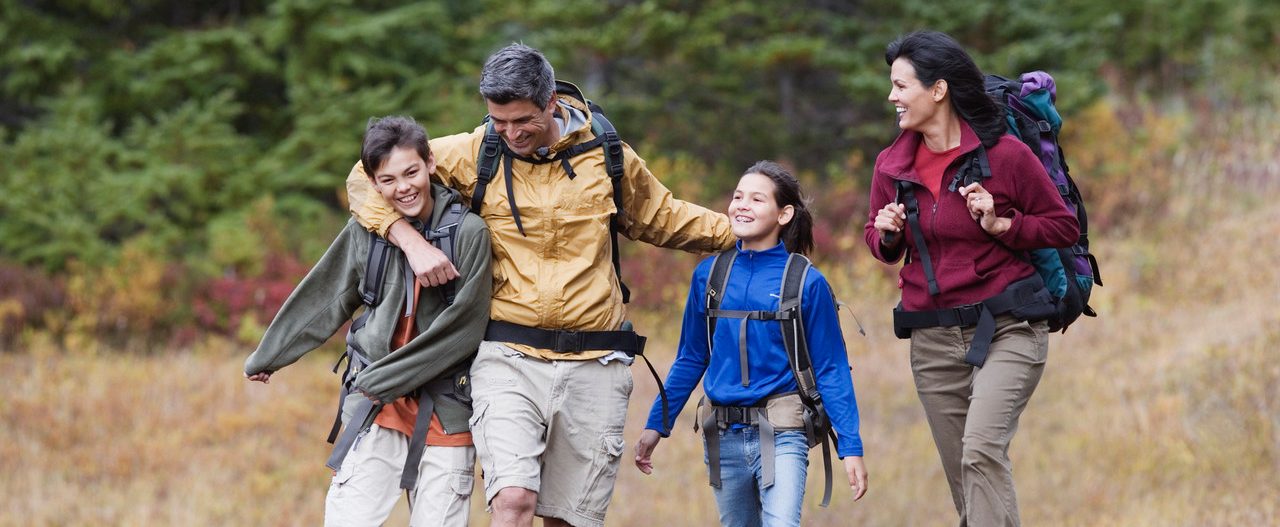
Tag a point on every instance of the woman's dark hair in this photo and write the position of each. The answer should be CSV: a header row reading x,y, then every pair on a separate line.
x,y
385,134
797,235
935,55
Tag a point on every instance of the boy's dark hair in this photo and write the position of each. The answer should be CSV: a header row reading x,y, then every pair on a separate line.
x,y
383,135
936,55
797,234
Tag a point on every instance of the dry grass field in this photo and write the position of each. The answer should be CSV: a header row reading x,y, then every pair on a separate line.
x,y
1163,412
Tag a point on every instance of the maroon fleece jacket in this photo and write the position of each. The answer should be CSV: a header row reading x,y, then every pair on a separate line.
x,y
970,265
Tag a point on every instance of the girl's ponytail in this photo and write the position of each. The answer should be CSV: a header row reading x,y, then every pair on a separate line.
x,y
797,235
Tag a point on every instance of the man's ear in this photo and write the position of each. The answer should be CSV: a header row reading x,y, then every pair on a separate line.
x,y
786,214
431,163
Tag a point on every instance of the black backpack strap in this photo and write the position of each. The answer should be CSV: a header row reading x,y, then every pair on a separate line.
x,y
363,416
907,193
486,165
816,422
375,273
716,282
793,277
613,162
445,238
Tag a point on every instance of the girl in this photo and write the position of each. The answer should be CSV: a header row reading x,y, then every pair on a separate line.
x,y
972,305
770,219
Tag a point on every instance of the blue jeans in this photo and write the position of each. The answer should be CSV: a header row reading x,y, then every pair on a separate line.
x,y
741,498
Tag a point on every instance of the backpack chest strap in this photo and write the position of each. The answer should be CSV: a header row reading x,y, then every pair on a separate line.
x,y
742,331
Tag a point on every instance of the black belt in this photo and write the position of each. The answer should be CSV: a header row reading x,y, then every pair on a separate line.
x,y
1026,299
569,341
565,341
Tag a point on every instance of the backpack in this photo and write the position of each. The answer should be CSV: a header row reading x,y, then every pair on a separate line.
x,y
380,251
1068,273
817,425
493,152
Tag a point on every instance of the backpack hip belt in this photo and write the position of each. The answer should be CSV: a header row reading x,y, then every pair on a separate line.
x,y
565,341
1025,299
781,412
624,340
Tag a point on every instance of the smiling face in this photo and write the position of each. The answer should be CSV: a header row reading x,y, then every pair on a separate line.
x,y
917,105
404,180
754,214
523,125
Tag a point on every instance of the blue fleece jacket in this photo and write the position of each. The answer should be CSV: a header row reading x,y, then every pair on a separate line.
x,y
755,284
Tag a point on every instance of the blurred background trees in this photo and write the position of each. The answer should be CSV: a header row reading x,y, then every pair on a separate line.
x,y
187,150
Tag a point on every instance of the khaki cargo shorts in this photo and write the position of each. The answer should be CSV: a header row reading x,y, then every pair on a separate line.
x,y
553,427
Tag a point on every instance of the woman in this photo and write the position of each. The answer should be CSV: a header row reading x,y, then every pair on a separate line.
x,y
971,303
752,488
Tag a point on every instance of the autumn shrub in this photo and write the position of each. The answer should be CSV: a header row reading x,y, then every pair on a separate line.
x,y
29,300
132,300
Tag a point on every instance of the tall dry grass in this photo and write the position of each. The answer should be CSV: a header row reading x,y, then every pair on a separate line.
x,y
1164,411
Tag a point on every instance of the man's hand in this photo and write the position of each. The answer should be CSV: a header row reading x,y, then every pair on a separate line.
x,y
644,449
857,473
429,264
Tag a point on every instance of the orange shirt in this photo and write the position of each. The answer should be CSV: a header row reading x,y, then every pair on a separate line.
x,y
401,413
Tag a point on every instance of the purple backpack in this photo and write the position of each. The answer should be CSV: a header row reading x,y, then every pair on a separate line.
x,y
1069,274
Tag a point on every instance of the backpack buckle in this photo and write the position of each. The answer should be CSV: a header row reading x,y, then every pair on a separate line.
x,y
568,341
1044,126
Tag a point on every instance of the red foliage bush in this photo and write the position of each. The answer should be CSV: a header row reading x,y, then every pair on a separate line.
x,y
220,304
26,295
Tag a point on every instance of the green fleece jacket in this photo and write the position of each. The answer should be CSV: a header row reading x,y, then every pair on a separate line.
x,y
448,334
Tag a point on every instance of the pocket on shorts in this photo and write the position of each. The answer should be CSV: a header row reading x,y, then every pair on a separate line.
x,y
604,471
462,483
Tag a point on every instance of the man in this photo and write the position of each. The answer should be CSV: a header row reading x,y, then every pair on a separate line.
x,y
413,338
549,405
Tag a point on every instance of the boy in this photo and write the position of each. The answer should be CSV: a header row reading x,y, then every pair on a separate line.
x,y
410,340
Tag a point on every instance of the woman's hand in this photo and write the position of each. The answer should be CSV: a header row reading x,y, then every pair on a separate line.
x,y
857,473
644,449
890,221
982,208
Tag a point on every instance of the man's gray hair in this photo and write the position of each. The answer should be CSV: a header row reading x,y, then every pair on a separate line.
x,y
518,72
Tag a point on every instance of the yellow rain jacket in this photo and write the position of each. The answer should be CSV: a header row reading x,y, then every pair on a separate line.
x,y
559,273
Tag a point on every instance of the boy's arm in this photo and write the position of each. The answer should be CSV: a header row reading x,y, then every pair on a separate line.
x,y
429,264
452,336
316,309
653,215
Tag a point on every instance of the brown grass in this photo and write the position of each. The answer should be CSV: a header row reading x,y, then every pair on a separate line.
x,y
1164,411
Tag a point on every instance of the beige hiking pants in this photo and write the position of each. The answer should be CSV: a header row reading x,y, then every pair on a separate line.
x,y
973,412
365,490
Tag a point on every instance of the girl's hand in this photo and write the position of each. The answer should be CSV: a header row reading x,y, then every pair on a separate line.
x,y
644,449
982,209
891,219
857,473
